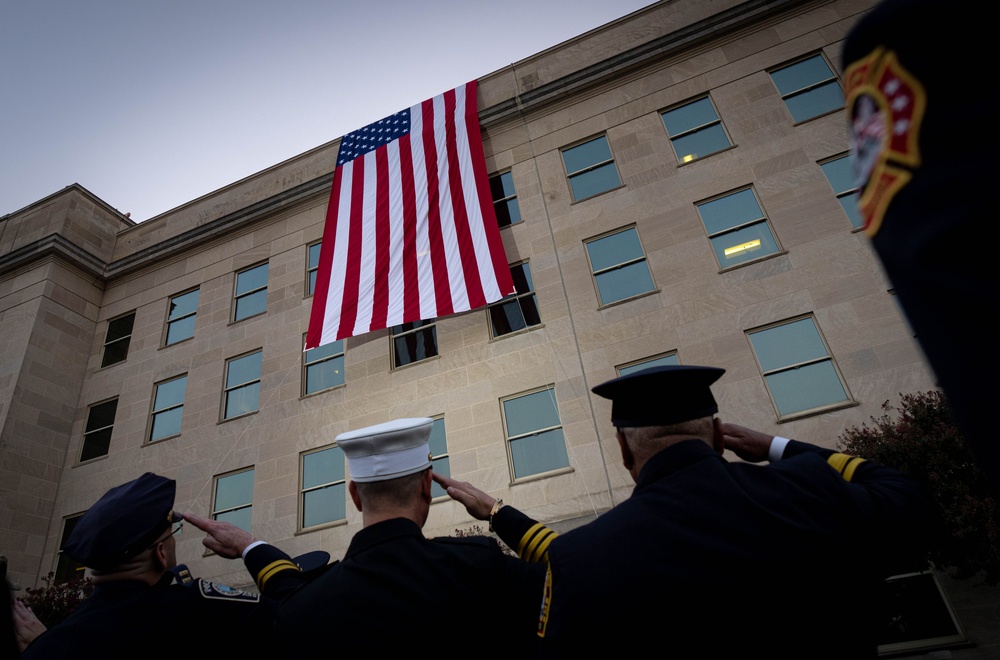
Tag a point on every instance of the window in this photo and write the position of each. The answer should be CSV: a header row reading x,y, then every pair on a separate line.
x,y
840,174
737,228
323,496
535,442
251,292
312,267
797,367
648,363
809,88
413,342
695,130
233,501
591,168
439,455
168,407
242,392
323,367
518,310
97,434
68,568
117,340
181,313
619,266
505,200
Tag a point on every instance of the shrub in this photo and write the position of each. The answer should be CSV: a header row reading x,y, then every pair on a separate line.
x,y
920,438
56,600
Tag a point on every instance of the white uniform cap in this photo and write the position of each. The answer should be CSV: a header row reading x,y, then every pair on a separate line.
x,y
387,451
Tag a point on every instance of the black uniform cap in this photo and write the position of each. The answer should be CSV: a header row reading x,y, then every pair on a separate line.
x,y
660,396
124,522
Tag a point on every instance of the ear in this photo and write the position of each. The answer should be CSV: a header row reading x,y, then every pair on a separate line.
x,y
160,556
353,490
628,460
717,444
426,484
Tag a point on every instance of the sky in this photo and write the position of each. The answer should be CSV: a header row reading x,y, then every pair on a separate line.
x,y
149,104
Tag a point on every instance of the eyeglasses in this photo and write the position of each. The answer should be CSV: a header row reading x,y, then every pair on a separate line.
x,y
177,530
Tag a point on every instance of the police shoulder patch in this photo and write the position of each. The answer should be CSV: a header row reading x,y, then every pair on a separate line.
x,y
215,591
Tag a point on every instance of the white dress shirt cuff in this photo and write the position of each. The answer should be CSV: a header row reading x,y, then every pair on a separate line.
x,y
251,547
777,449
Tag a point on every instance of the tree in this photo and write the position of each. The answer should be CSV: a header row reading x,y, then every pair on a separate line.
x,y
921,438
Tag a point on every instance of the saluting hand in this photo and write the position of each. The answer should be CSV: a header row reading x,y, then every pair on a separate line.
x,y
224,539
746,443
475,501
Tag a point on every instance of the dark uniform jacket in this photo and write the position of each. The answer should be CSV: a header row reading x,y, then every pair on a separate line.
x,y
131,619
715,559
396,589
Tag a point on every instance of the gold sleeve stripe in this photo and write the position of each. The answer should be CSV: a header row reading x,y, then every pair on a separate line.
x,y
271,569
845,465
534,545
543,615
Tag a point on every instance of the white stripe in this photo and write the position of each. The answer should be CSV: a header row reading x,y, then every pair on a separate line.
x,y
456,276
366,274
395,312
484,262
338,269
425,276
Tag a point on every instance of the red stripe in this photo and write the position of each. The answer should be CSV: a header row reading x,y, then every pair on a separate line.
x,y
497,255
439,265
411,294
466,250
318,315
349,308
380,302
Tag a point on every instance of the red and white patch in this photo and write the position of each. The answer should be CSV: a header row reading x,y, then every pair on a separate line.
x,y
887,107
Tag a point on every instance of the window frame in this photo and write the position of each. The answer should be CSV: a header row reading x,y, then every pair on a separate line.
x,y
127,339
630,366
305,367
506,200
309,287
594,273
515,298
808,412
393,334
763,219
508,439
153,412
443,496
83,441
834,77
65,563
214,512
691,131
227,388
841,194
589,168
237,296
168,321
301,527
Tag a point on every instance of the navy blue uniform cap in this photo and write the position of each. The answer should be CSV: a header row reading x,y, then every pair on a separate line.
x,y
660,396
124,522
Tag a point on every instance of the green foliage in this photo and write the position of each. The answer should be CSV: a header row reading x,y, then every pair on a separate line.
x,y
921,438
57,600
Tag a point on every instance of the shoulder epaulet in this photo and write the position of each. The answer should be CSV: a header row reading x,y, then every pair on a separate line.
x,y
844,464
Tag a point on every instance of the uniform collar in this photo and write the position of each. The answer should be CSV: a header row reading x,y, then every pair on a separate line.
x,y
674,459
382,532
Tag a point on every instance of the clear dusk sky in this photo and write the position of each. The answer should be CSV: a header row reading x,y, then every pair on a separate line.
x,y
151,103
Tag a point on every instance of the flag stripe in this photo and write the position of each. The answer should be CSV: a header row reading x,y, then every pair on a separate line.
x,y
410,232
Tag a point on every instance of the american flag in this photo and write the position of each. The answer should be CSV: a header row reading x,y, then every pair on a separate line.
x,y
410,230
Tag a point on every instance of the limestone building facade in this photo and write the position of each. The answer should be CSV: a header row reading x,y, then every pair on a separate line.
x,y
672,186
